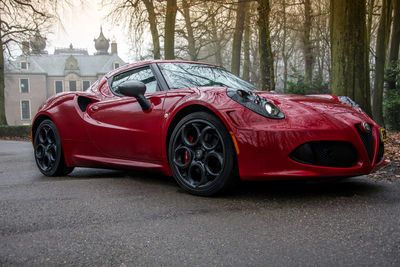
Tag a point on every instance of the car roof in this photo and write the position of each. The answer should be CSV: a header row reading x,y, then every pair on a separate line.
x,y
147,62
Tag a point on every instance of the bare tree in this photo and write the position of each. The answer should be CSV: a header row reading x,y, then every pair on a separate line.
x,y
370,5
20,20
169,32
266,56
350,72
153,28
307,42
246,42
237,36
189,36
382,41
395,41
140,14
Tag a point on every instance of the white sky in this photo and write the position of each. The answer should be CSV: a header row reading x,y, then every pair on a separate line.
x,y
80,24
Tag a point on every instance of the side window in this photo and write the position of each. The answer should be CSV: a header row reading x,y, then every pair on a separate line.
x,y
144,75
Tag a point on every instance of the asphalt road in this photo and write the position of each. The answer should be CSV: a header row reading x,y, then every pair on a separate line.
x,y
104,217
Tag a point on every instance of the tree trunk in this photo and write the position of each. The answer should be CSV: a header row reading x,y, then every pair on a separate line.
x,y
382,39
265,51
349,51
169,39
237,37
395,41
216,41
285,57
153,28
3,120
189,29
307,43
246,45
371,4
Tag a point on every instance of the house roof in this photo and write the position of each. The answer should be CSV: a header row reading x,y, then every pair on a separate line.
x,y
54,65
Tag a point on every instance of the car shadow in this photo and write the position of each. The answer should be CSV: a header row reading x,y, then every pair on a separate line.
x,y
349,187
94,173
331,188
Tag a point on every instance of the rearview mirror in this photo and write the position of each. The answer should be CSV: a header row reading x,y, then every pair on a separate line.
x,y
137,90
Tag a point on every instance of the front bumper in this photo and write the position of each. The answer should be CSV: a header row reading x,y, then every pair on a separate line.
x,y
265,148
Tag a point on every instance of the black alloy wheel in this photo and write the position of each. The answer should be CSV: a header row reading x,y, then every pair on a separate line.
x,y
201,155
48,151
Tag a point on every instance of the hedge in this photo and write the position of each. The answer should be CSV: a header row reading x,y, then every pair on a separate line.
x,y
15,131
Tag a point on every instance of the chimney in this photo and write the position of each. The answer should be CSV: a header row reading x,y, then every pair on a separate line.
x,y
114,48
25,47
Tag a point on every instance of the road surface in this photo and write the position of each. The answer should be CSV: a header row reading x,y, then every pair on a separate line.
x,y
119,218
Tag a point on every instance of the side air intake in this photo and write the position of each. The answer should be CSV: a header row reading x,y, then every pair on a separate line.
x,y
83,102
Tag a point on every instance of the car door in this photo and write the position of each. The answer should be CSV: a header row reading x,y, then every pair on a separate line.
x,y
120,128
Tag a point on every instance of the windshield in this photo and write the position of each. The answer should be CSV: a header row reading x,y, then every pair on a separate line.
x,y
188,75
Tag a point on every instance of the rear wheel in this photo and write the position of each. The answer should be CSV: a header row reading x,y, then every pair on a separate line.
x,y
48,150
201,155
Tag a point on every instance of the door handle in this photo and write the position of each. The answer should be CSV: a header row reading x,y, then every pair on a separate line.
x,y
95,108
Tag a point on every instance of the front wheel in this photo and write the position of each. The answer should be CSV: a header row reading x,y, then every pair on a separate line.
x,y
201,155
49,156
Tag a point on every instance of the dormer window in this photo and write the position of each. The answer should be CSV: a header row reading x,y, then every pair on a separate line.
x,y
23,65
116,65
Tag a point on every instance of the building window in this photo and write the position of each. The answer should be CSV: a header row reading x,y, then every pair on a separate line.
x,y
23,65
25,110
58,87
116,65
24,85
85,85
72,85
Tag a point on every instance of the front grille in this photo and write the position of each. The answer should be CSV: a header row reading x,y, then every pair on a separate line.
x,y
368,142
326,153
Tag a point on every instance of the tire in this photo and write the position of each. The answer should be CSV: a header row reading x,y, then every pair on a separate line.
x,y
48,151
201,155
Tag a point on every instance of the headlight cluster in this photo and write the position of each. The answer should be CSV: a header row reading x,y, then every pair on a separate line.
x,y
347,100
255,103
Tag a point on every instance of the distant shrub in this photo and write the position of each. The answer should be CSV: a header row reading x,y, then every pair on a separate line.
x,y
391,98
15,131
297,85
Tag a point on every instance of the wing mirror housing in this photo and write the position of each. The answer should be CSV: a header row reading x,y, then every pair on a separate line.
x,y
137,90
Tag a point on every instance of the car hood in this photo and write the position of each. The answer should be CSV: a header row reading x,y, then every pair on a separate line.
x,y
326,104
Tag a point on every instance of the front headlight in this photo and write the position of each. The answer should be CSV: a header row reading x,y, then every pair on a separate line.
x,y
347,100
254,102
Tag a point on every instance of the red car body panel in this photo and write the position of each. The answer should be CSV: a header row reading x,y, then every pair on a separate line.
x,y
114,131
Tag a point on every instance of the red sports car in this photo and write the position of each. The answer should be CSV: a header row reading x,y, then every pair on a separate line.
x,y
205,126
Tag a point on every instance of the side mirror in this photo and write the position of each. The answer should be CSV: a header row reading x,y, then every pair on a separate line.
x,y
137,90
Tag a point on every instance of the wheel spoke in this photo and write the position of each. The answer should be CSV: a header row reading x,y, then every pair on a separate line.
x,y
204,178
209,138
39,151
190,134
51,154
214,163
50,136
53,148
42,135
197,173
183,156
45,162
